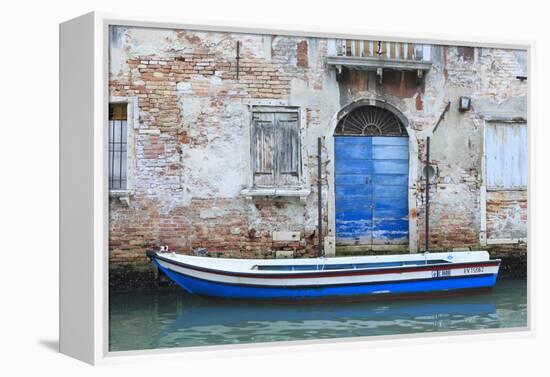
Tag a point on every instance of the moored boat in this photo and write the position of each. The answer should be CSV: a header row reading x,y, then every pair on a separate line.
x,y
360,277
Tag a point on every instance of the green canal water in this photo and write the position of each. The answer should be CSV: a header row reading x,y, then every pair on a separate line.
x,y
166,319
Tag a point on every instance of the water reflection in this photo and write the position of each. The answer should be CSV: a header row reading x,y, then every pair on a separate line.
x,y
161,320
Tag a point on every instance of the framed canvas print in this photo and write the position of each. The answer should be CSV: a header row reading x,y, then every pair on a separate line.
x,y
233,187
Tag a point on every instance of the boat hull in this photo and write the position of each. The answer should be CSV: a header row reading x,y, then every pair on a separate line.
x,y
369,284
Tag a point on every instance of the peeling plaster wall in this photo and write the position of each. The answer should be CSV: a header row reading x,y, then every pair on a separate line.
x,y
507,215
192,143
488,77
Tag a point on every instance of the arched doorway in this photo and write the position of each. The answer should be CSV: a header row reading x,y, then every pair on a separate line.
x,y
371,179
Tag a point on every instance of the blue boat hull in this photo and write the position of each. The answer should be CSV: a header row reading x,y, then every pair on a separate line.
x,y
362,290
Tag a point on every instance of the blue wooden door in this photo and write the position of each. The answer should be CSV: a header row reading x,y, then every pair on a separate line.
x,y
371,179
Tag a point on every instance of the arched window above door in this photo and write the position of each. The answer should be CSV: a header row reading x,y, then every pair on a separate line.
x,y
370,121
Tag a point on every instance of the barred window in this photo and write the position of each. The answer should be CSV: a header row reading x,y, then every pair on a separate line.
x,y
276,148
118,146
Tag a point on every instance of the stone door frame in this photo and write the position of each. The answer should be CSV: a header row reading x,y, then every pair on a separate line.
x,y
413,166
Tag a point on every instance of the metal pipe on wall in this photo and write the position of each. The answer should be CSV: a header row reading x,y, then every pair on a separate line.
x,y
427,215
319,199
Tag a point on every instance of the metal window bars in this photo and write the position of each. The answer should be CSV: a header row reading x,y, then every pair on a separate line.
x,y
118,146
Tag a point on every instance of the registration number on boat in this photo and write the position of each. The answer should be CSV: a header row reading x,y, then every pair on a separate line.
x,y
473,270
441,273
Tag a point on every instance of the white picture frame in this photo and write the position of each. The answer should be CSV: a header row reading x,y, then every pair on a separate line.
x,y
84,193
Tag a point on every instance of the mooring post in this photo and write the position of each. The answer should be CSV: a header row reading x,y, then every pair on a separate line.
x,y
319,199
427,218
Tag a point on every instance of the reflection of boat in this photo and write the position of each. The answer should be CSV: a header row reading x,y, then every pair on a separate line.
x,y
207,321
321,278
235,313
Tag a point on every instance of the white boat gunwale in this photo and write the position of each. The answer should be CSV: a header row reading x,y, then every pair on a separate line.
x,y
257,273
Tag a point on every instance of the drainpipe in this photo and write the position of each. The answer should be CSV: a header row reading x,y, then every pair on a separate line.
x,y
319,199
427,224
427,216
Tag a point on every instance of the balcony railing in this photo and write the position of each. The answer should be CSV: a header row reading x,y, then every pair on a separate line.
x,y
373,55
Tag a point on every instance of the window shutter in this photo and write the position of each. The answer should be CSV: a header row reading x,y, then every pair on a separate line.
x,y
263,148
288,148
506,151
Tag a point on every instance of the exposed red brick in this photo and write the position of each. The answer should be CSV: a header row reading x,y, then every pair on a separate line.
x,y
400,84
419,103
467,53
301,54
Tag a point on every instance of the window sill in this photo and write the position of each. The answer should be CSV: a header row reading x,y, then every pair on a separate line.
x,y
300,193
122,195
506,241
506,188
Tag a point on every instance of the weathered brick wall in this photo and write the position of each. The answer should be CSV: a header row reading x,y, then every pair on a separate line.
x,y
488,76
192,151
456,149
506,215
191,160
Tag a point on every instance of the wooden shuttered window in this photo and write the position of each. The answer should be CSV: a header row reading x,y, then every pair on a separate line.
x,y
263,148
275,149
506,154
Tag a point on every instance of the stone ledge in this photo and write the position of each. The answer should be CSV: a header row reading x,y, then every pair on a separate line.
x,y
506,241
122,195
282,192
372,63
